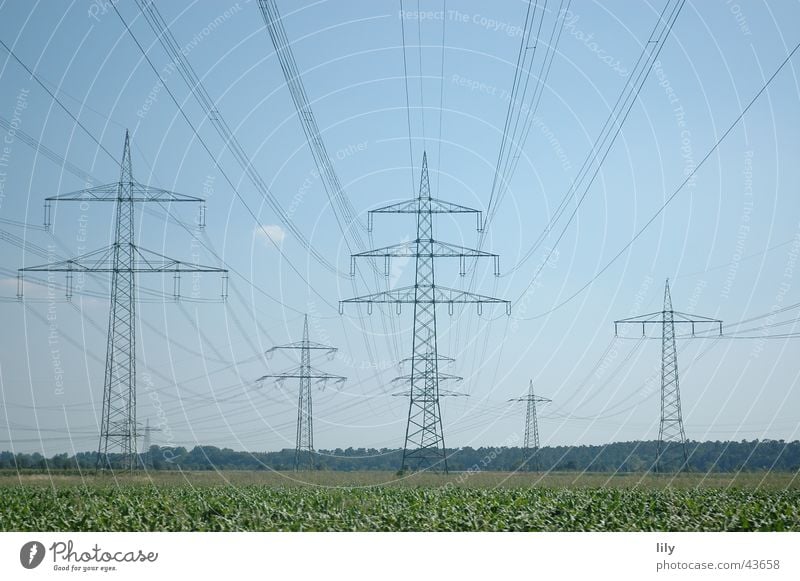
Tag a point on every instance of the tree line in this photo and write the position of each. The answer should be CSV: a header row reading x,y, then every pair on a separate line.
x,y
635,456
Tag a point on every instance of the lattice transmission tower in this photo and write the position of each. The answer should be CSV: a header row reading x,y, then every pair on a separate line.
x,y
531,442
424,446
306,374
443,378
671,435
123,259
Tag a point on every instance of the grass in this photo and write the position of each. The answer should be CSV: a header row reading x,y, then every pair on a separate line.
x,y
380,501
773,480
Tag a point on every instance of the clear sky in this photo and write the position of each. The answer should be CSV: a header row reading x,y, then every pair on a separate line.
x,y
728,241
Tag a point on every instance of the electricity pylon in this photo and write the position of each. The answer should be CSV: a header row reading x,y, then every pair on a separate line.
x,y
443,377
670,429
304,448
123,259
531,442
424,446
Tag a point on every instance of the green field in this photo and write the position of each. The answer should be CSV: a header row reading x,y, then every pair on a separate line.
x,y
374,501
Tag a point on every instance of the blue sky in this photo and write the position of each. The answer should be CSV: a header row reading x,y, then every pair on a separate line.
x,y
726,241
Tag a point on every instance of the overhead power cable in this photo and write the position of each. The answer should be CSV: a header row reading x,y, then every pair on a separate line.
x,y
216,119
519,139
611,129
344,213
339,201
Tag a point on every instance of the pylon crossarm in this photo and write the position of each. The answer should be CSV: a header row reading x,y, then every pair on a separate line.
x,y
304,345
102,193
150,261
444,358
440,294
442,377
102,260
451,295
404,207
84,262
684,320
410,249
111,193
685,317
649,317
437,206
299,375
658,318
536,398
145,193
443,207
676,321
442,393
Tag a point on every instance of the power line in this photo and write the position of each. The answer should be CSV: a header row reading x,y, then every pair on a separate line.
x,y
421,77
516,103
408,101
608,134
197,89
331,182
340,203
669,199
512,161
441,100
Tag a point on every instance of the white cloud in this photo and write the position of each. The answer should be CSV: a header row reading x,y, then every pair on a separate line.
x,y
270,232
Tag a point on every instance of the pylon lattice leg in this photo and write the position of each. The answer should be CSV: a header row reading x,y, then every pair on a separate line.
x,y
424,443
118,433
670,434
304,449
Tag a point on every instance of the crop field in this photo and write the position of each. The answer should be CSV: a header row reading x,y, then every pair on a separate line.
x,y
246,501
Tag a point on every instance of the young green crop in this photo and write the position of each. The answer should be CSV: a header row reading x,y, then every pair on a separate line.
x,y
232,508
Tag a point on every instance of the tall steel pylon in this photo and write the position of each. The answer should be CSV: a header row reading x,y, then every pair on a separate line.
x,y
124,260
305,373
443,377
531,442
671,434
424,446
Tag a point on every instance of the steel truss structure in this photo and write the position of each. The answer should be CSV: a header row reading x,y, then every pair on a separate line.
x,y
531,442
123,259
306,374
671,434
